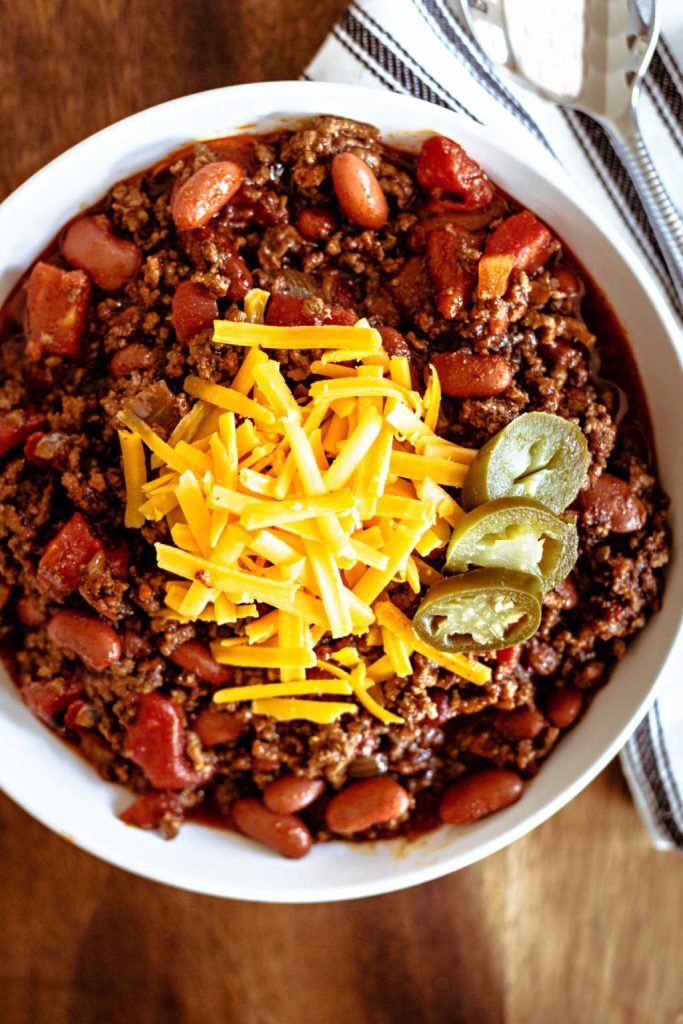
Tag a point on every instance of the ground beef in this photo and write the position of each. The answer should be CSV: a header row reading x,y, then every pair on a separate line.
x,y
450,726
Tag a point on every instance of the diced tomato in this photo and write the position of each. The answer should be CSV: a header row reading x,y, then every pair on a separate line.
x,y
156,742
149,810
509,655
299,311
72,713
214,726
57,302
91,244
46,700
452,283
16,426
47,449
194,309
523,237
66,556
445,165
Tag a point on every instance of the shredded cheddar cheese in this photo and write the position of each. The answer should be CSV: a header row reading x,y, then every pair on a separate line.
x,y
310,507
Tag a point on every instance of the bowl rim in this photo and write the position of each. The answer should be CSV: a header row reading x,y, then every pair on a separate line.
x,y
332,96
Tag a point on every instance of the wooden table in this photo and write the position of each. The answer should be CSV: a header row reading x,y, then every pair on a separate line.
x,y
579,923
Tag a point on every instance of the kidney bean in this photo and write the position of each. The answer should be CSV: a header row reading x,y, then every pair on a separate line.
x,y
410,285
195,657
57,304
523,237
563,706
156,742
610,503
255,205
29,613
109,261
472,376
194,309
133,357
568,593
316,222
205,193
16,426
283,832
291,793
443,164
520,724
86,636
62,564
215,725
452,283
149,810
476,796
47,699
303,311
590,675
359,192
365,803
509,655
393,342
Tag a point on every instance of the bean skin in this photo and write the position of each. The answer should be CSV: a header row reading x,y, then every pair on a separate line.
x,y
92,245
609,502
133,357
476,796
214,726
194,657
520,724
291,793
359,192
86,636
316,223
563,706
366,803
205,193
283,832
29,613
463,375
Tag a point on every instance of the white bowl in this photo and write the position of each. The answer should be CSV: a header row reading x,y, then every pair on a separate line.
x,y
54,785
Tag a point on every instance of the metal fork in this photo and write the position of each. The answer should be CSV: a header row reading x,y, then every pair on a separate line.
x,y
618,43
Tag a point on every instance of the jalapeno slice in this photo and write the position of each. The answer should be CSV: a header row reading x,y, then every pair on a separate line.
x,y
538,455
482,610
515,533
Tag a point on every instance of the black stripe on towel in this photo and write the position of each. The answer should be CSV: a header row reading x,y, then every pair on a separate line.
x,y
650,773
443,24
397,72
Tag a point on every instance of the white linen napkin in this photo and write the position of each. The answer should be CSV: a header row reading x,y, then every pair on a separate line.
x,y
420,47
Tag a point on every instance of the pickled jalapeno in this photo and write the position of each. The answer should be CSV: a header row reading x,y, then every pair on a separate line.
x,y
514,533
538,455
481,610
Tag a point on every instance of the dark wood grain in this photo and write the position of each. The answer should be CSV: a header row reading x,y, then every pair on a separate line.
x,y
579,923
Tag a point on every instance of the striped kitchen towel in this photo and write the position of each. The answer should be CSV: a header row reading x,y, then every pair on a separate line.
x,y
421,47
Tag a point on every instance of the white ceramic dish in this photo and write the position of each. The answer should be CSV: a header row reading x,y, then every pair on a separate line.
x,y
57,787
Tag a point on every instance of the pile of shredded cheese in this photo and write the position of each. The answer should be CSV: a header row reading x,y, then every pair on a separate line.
x,y
309,507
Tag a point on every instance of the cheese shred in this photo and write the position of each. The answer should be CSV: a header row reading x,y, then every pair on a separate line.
x,y
308,506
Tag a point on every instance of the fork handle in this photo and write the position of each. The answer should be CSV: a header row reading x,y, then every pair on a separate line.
x,y
664,217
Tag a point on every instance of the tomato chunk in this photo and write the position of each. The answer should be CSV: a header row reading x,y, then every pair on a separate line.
x,y
156,742
46,700
452,283
444,165
300,311
523,237
150,809
16,426
91,245
194,309
57,302
66,556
